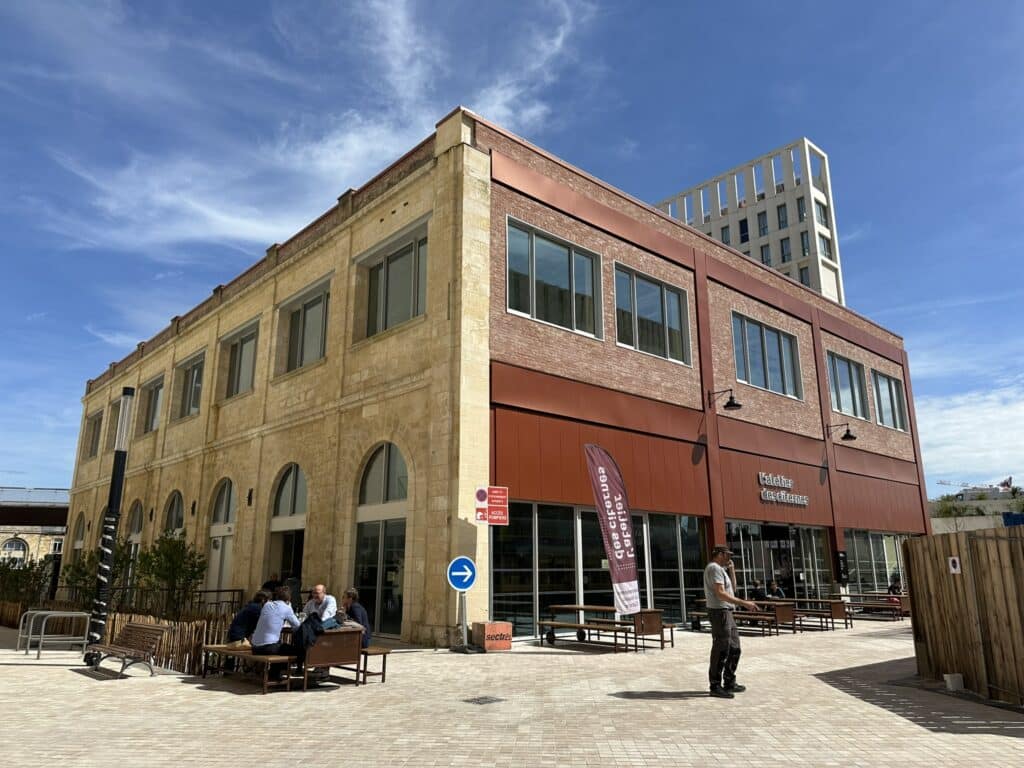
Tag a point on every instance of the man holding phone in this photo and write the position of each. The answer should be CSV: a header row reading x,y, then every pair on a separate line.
x,y
719,583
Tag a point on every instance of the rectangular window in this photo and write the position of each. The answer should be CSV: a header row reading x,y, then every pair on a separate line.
x,y
824,247
191,378
725,235
762,223
766,255
241,363
765,357
784,250
821,214
307,331
113,413
552,281
56,546
152,399
889,404
801,209
397,288
782,214
651,316
744,232
93,424
805,244
805,276
847,383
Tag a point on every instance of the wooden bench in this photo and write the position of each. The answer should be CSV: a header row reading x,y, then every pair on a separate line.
x,y
646,624
246,655
894,610
584,630
135,644
375,650
764,620
826,619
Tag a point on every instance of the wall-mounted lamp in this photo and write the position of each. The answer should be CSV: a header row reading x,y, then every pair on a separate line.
x,y
732,404
847,435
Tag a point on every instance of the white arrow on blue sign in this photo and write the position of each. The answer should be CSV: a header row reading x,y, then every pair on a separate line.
x,y
461,573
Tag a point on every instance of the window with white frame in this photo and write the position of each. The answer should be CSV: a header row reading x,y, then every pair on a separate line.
x,y
93,424
190,386
56,546
307,329
890,406
241,351
552,280
152,402
651,316
397,286
766,357
847,384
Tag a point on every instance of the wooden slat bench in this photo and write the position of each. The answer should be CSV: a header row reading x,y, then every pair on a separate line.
x,y
246,655
765,621
135,644
375,650
825,619
584,630
646,625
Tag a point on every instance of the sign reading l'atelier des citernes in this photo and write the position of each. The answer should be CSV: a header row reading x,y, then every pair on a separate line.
x,y
770,482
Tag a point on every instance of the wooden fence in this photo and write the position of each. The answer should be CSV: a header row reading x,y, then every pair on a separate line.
x,y
972,621
181,649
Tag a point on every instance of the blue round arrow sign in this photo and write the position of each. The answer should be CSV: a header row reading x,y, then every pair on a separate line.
x,y
461,573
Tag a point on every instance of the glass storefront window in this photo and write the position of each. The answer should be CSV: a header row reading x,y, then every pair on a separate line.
x,y
512,581
556,559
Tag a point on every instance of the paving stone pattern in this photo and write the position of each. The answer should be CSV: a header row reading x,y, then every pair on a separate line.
x,y
841,698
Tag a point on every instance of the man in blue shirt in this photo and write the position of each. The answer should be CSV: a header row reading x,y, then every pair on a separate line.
x,y
356,612
266,640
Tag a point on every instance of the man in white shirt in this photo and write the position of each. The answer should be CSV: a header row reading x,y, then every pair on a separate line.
x,y
324,605
719,578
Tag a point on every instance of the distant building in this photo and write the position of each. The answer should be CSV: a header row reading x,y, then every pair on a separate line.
x,y
32,522
766,210
978,506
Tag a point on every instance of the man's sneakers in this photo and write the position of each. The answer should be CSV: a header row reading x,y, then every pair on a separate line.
x,y
727,691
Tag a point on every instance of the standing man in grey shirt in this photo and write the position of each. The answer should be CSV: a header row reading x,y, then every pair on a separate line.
x,y
719,580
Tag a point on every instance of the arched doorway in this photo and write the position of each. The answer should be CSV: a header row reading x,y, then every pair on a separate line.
x,y
380,538
288,529
222,529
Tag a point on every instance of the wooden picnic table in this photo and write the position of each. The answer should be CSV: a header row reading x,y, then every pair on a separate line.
x,y
644,623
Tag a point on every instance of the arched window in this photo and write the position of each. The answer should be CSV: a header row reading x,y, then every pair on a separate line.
x,y
174,517
78,540
14,550
135,521
385,478
224,503
291,493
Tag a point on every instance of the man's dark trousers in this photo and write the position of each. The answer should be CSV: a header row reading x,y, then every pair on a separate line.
x,y
725,647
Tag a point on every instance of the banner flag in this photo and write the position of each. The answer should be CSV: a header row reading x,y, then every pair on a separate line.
x,y
616,527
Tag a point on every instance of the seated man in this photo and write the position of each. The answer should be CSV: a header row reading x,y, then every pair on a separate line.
x,y
775,591
758,593
244,623
266,639
356,612
324,605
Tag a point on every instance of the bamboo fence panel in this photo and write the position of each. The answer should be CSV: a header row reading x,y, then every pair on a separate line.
x,y
972,622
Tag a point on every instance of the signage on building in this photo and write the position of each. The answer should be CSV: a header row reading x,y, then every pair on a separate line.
x,y
769,483
492,504
954,565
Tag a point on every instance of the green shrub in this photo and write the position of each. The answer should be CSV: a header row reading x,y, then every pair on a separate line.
x,y
174,571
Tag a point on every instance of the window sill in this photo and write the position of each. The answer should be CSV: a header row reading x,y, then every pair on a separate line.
x,y
144,435
184,419
239,396
844,414
531,318
288,375
387,333
771,391
893,429
672,360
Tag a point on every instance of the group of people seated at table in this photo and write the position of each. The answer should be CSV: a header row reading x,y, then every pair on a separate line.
x,y
774,591
259,624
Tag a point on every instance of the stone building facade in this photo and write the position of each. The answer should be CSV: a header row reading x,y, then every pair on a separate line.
x,y
328,414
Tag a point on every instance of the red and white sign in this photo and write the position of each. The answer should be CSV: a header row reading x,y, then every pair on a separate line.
x,y
492,504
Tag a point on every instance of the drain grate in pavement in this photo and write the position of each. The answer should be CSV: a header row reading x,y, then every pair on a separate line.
x,y
483,700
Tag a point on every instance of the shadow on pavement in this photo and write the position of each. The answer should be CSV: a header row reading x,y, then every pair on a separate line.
x,y
892,685
660,694
249,686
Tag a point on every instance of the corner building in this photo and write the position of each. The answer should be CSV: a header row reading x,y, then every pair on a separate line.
x,y
477,313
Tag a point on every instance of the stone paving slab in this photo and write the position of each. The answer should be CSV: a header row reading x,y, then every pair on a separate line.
x,y
816,699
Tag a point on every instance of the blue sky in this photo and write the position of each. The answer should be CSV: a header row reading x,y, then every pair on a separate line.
x,y
151,151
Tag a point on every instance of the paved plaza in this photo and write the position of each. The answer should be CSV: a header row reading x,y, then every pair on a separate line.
x,y
844,698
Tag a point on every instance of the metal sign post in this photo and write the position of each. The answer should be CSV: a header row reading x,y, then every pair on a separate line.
x,y
461,577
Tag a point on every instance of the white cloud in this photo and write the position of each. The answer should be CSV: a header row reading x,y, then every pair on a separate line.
x,y
973,435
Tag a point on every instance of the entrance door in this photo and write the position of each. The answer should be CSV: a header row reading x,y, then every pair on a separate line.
x,y
380,573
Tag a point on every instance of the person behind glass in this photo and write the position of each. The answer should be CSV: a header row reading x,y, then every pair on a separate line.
x,y
266,639
324,605
356,612
896,588
719,577
758,593
775,591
